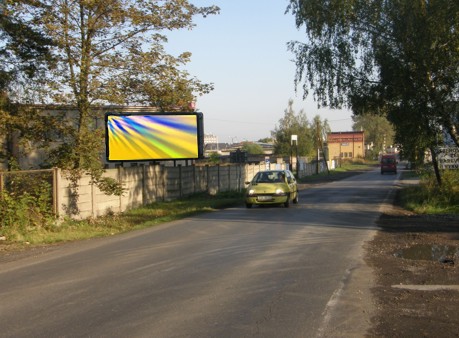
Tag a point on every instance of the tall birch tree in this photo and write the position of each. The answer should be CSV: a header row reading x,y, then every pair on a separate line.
x,y
109,52
398,58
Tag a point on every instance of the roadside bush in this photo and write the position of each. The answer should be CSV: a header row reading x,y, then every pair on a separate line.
x,y
428,197
25,206
372,155
355,163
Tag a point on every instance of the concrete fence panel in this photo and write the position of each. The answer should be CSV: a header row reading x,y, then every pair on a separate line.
x,y
102,203
201,178
155,183
146,184
225,178
173,183
132,180
188,181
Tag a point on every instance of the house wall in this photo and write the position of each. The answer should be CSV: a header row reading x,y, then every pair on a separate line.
x,y
346,145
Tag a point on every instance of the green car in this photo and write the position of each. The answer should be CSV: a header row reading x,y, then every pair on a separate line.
x,y
272,187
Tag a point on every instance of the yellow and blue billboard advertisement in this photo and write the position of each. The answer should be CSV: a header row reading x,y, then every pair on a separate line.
x,y
153,136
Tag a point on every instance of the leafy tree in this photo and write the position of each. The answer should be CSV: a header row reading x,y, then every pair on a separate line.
x,y
266,140
397,58
252,148
378,130
24,51
293,124
162,84
214,158
24,55
108,52
23,128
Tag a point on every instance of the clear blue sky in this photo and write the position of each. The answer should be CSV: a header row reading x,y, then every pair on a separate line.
x,y
243,51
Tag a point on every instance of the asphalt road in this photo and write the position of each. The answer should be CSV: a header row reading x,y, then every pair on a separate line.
x,y
260,272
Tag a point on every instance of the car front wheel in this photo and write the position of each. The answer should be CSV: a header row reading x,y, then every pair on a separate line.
x,y
248,205
287,202
295,200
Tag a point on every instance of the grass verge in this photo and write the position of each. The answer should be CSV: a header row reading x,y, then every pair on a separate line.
x,y
346,169
139,218
430,198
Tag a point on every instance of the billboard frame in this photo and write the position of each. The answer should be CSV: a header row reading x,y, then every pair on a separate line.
x,y
199,136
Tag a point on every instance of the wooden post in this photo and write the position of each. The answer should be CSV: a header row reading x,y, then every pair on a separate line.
x,y
55,191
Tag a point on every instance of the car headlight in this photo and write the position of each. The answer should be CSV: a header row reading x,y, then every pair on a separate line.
x,y
279,192
251,192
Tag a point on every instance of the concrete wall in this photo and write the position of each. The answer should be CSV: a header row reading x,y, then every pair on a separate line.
x,y
147,184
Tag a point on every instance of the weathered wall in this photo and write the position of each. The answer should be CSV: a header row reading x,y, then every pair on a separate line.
x,y
146,184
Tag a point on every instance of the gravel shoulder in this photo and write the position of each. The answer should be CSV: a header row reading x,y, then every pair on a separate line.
x,y
413,261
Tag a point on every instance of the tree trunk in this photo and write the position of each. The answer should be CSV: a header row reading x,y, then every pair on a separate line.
x,y
435,164
12,149
453,134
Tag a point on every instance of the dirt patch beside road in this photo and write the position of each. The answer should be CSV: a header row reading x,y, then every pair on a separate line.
x,y
415,263
415,259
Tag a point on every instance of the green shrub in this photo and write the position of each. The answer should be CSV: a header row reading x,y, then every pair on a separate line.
x,y
25,207
356,163
429,197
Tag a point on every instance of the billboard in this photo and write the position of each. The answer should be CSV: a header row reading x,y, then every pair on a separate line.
x,y
153,136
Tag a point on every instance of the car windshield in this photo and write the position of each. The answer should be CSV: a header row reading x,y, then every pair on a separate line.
x,y
388,160
269,177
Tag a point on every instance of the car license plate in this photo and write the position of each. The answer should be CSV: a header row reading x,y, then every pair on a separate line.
x,y
265,198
